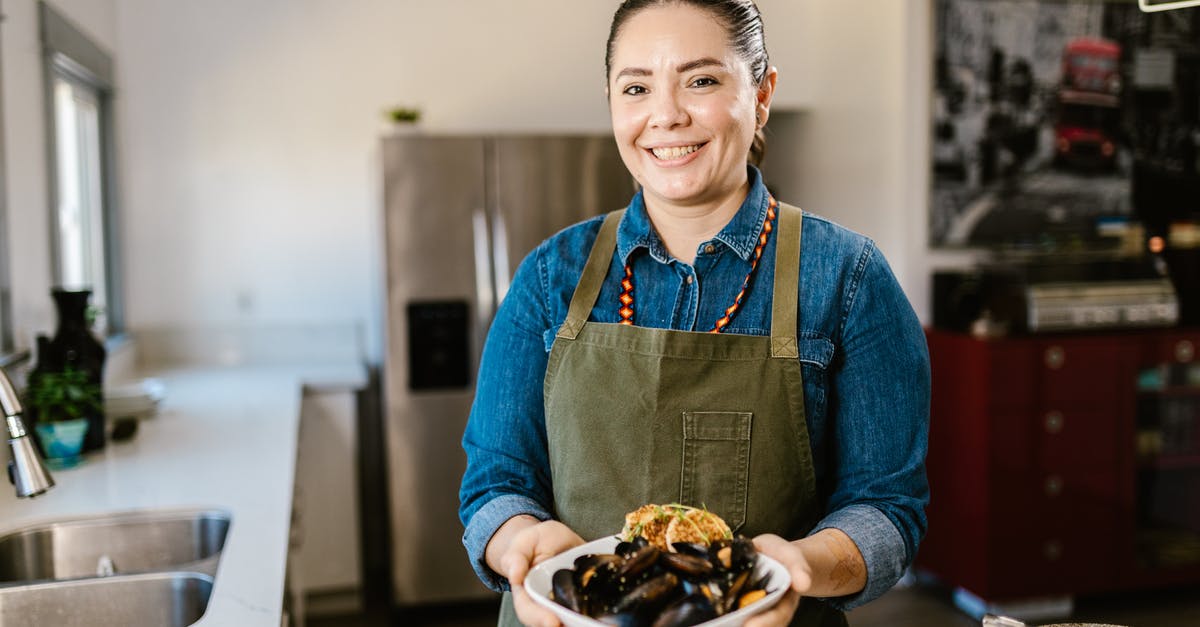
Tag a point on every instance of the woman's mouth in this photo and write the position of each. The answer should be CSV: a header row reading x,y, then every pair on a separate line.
x,y
671,153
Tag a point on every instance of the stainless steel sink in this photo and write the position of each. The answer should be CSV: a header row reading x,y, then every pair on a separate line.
x,y
166,599
130,542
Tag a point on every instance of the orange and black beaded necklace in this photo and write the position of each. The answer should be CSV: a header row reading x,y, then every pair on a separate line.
x,y
626,297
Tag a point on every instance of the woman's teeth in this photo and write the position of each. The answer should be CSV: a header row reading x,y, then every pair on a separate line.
x,y
674,152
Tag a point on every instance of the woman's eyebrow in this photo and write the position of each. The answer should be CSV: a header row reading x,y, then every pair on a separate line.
x,y
634,71
698,63
681,68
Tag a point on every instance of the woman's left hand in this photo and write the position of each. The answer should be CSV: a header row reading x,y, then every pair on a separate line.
x,y
793,560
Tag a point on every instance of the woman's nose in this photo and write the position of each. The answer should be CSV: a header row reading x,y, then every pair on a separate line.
x,y
668,111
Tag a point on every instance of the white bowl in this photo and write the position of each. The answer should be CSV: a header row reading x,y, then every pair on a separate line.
x,y
537,584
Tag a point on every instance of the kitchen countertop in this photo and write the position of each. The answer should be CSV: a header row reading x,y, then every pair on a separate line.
x,y
223,438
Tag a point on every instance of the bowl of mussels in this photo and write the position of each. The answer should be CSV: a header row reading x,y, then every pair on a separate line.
x,y
671,566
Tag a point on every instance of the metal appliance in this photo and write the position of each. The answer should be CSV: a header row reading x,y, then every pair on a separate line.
x,y
1049,295
459,214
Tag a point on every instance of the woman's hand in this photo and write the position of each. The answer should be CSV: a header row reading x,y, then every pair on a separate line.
x,y
793,559
825,564
527,545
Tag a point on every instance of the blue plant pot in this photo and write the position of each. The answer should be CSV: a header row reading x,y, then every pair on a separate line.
x,y
62,441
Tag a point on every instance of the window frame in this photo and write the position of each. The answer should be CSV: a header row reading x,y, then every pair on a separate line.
x,y
6,310
69,53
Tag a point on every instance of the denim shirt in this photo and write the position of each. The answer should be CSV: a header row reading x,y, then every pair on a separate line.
x,y
863,358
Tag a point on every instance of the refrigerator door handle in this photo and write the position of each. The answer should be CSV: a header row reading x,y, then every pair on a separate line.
x,y
485,303
500,256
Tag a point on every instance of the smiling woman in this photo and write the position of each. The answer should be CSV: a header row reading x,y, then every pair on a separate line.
x,y
687,106
694,348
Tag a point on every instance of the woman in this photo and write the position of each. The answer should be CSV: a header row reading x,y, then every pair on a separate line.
x,y
800,416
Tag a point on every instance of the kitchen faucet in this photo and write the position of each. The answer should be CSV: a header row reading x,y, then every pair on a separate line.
x,y
26,470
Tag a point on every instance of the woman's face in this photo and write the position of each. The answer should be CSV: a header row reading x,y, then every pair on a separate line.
x,y
683,105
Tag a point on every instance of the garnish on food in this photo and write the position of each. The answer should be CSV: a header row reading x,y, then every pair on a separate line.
x,y
664,525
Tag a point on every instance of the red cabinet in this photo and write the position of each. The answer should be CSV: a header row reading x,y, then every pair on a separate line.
x,y
1063,465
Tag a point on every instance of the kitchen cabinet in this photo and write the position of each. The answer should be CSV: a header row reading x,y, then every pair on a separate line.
x,y
1064,465
325,564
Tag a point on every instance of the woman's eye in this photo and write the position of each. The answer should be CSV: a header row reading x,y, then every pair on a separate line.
x,y
634,90
704,81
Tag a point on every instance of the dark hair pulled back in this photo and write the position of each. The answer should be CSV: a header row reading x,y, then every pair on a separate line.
x,y
743,23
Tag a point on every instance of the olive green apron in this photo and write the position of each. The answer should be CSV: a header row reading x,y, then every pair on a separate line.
x,y
636,415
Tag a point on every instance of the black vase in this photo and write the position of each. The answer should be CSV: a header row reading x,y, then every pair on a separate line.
x,y
45,363
74,345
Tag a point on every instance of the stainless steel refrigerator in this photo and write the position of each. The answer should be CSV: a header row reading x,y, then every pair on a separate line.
x,y
459,214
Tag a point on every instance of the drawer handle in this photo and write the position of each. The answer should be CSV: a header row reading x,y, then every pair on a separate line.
x,y
1055,357
1054,485
1052,550
1185,351
1054,422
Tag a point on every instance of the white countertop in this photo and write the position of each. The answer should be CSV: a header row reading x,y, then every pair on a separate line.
x,y
224,438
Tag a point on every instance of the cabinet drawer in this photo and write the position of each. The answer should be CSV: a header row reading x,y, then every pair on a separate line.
x,y
1072,436
1055,532
1050,562
1063,502
1081,371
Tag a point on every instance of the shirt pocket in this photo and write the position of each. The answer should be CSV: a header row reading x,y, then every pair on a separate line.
x,y
716,463
816,356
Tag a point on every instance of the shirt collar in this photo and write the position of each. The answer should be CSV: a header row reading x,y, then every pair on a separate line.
x,y
740,234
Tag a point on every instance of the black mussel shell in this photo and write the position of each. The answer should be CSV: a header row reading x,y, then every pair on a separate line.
x,y
691,548
625,548
562,586
596,569
690,610
733,554
639,562
650,596
685,565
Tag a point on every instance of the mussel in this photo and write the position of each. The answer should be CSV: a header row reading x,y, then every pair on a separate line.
x,y
687,566
641,585
690,610
562,585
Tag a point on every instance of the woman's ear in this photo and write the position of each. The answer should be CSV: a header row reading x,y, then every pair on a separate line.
x,y
766,91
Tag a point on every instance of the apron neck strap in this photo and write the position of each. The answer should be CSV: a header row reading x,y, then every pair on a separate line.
x,y
785,296
594,271
783,302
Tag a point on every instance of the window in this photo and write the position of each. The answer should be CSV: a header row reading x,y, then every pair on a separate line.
x,y
78,96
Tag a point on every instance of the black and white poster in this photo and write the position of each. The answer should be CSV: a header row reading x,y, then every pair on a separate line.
x,y
1054,119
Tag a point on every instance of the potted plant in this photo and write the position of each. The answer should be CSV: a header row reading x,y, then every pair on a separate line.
x,y
404,119
63,402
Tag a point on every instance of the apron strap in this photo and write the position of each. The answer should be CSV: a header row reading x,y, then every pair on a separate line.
x,y
784,307
594,271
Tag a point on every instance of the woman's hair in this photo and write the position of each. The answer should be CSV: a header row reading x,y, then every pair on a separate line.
x,y
742,22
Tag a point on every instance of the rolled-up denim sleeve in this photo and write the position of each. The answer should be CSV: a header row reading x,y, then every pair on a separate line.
x,y
879,408
505,439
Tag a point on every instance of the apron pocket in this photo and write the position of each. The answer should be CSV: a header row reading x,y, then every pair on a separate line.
x,y
716,463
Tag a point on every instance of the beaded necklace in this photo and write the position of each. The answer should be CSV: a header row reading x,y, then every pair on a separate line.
x,y
626,297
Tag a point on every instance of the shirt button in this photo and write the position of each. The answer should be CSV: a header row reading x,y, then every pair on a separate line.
x,y
709,248
688,280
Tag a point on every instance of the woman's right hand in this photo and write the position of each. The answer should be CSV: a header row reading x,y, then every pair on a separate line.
x,y
530,542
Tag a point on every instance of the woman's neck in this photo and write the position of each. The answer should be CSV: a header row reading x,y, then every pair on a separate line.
x,y
683,228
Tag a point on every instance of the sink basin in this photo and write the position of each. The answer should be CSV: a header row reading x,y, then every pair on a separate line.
x,y
129,542
167,599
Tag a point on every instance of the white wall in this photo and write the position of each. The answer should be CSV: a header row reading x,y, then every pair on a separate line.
x,y
247,132
25,151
